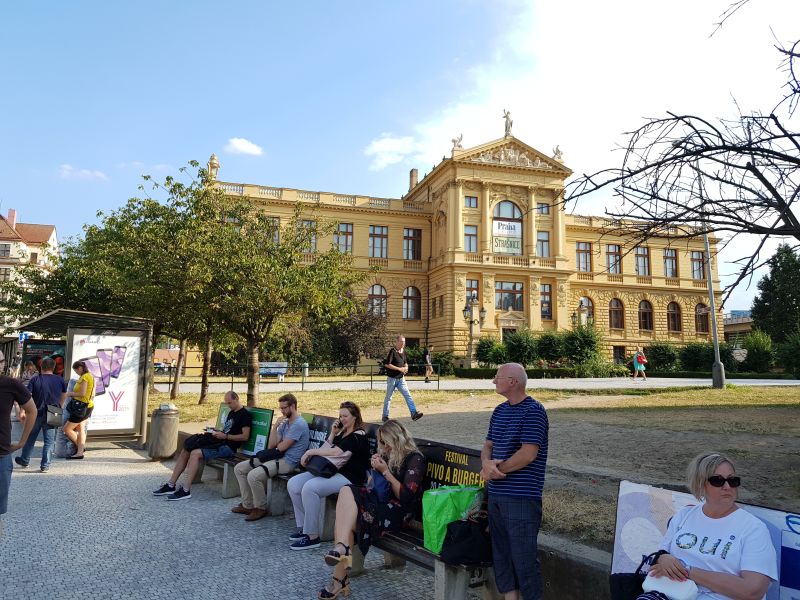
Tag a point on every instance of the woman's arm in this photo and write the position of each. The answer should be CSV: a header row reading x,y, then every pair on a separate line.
x,y
406,490
748,585
79,391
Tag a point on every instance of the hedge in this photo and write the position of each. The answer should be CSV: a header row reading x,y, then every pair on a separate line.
x,y
532,373
728,375
570,373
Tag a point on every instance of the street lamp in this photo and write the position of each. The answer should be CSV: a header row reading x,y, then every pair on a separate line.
x,y
469,316
213,167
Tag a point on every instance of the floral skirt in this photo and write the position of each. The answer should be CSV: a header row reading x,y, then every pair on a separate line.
x,y
375,517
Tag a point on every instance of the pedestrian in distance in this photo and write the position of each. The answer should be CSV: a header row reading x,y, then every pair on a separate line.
x,y
639,362
396,365
427,356
513,461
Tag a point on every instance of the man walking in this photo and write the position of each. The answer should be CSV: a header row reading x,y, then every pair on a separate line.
x,y
47,389
396,365
513,460
11,390
288,441
217,444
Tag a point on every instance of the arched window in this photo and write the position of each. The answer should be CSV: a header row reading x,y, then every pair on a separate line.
x,y
645,316
673,317
412,303
377,300
507,228
616,314
586,310
701,318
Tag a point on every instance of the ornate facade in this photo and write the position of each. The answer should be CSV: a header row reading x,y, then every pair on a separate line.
x,y
487,224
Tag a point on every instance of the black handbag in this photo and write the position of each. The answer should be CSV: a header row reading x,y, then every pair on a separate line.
x,y
266,455
55,416
628,586
77,409
320,466
466,543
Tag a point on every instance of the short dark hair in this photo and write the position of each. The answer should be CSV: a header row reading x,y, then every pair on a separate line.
x,y
233,395
289,399
47,364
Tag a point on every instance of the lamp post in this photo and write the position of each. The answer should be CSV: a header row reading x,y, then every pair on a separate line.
x,y
469,316
213,167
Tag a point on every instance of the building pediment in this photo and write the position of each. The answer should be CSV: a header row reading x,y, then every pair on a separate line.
x,y
510,152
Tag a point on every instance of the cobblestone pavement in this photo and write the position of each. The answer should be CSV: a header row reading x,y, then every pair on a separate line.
x,y
91,529
270,385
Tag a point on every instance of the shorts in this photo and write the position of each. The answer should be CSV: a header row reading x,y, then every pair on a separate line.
x,y
77,420
6,467
223,451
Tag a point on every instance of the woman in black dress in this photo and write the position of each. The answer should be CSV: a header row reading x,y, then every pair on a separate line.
x,y
387,503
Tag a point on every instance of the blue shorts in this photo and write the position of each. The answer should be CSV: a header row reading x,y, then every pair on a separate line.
x,y
6,467
223,451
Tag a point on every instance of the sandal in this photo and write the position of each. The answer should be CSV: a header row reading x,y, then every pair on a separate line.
x,y
334,557
344,589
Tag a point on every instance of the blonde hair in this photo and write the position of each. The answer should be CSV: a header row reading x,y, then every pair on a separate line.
x,y
399,440
701,468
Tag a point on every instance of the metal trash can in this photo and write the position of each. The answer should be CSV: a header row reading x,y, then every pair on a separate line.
x,y
305,370
163,436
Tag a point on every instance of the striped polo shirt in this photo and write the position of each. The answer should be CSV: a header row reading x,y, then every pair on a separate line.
x,y
509,428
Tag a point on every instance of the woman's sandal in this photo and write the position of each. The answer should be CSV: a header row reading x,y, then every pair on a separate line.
x,y
334,557
344,589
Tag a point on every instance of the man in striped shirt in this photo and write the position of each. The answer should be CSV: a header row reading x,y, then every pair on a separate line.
x,y
513,459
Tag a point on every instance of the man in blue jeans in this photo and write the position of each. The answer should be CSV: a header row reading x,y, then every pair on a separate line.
x,y
396,365
220,444
11,391
47,390
513,460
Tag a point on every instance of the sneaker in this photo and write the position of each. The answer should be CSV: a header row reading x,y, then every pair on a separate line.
x,y
384,418
44,469
416,416
297,535
164,490
305,543
427,380
21,462
180,494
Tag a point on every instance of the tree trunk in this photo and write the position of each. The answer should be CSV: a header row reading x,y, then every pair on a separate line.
x,y
176,376
206,370
253,378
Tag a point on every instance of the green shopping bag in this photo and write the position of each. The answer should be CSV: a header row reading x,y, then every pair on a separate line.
x,y
444,505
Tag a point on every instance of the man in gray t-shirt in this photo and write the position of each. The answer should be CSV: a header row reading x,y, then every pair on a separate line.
x,y
288,441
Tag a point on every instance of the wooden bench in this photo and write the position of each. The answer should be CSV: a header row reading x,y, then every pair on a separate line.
x,y
643,513
446,465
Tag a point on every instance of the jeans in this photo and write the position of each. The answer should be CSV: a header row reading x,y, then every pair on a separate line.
x,y
400,384
223,451
515,523
6,467
49,437
307,492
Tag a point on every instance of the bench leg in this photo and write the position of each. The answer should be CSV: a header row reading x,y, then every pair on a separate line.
x,y
327,518
392,561
277,496
449,583
357,566
230,485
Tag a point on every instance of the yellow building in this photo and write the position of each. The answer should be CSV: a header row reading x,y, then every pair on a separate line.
x,y
486,224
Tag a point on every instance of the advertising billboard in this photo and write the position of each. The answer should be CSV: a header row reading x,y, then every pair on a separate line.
x,y
506,237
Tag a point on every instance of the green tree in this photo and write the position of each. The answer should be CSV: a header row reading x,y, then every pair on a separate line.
x,y
483,350
582,344
521,346
550,346
760,352
661,356
789,353
699,356
776,308
271,278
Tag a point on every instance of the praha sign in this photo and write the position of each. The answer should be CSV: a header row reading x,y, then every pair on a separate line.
x,y
506,237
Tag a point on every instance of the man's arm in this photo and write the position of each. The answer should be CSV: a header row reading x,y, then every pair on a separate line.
x,y
273,440
526,454
235,437
489,468
29,409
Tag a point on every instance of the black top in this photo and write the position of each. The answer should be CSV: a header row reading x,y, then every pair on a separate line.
x,y
234,424
356,468
11,391
398,359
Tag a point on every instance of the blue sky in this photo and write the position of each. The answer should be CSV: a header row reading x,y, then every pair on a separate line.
x,y
347,96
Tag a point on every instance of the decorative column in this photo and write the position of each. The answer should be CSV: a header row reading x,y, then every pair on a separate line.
x,y
530,224
458,225
561,310
559,231
534,309
486,219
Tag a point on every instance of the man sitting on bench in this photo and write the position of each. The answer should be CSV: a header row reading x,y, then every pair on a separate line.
x,y
207,446
287,443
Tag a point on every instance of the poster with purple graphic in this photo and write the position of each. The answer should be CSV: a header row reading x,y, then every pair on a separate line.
x,y
113,360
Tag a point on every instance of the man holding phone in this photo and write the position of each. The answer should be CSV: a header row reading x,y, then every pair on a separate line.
x,y
288,441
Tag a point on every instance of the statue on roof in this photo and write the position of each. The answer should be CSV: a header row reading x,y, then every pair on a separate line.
x,y
509,122
457,142
558,154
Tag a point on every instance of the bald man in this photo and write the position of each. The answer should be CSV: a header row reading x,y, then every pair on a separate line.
x,y
513,460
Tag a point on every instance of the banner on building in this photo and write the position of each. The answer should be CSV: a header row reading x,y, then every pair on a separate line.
x,y
507,237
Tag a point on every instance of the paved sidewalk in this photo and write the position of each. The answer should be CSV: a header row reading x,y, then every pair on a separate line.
x,y
91,530
617,383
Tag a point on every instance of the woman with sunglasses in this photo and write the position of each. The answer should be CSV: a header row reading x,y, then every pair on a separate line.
x,y
725,550
308,491
366,512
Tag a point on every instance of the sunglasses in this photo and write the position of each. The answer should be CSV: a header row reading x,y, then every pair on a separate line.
x,y
719,481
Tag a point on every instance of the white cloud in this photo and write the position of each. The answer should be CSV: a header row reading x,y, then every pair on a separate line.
x,y
580,73
243,146
70,173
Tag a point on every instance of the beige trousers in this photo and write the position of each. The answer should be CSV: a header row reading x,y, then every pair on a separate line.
x,y
253,480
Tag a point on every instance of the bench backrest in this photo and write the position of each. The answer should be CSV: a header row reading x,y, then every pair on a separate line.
x,y
273,368
643,513
449,464
319,428
259,431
